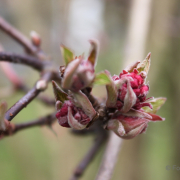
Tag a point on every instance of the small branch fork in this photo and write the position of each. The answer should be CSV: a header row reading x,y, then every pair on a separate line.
x,y
46,68
18,84
24,101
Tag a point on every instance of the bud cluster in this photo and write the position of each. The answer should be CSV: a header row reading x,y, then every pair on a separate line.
x,y
126,95
77,113
139,90
74,108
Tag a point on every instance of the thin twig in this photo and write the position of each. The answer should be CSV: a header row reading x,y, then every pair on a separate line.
x,y
100,139
18,84
14,128
47,120
42,98
20,38
24,101
23,59
83,132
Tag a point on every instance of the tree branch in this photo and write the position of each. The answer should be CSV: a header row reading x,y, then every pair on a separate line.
x,y
43,98
27,60
20,38
18,84
47,120
40,86
110,157
14,128
100,139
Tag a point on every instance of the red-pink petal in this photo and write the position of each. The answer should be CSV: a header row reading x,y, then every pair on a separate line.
x,y
156,117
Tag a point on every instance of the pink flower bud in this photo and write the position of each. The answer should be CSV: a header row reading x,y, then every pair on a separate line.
x,y
130,124
83,76
78,75
71,116
135,111
73,109
132,92
79,72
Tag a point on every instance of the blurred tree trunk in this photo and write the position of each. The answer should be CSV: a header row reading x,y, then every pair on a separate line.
x,y
84,22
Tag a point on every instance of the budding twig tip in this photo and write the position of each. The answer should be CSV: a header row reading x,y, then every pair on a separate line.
x,y
41,85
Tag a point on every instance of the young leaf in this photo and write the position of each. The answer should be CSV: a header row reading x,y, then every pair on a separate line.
x,y
156,103
69,72
73,122
129,100
112,94
59,94
102,78
131,68
145,64
93,53
67,54
137,113
84,103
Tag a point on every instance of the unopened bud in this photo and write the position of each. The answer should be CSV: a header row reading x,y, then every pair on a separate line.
x,y
41,85
35,38
143,74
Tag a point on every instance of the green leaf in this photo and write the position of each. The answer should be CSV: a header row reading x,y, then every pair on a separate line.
x,y
67,54
93,53
156,103
112,94
145,64
59,94
102,78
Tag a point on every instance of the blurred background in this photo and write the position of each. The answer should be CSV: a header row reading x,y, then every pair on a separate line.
x,y
127,30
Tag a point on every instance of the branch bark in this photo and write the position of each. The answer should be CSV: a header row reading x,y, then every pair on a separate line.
x,y
18,84
24,101
47,120
26,60
14,128
46,100
110,157
101,136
